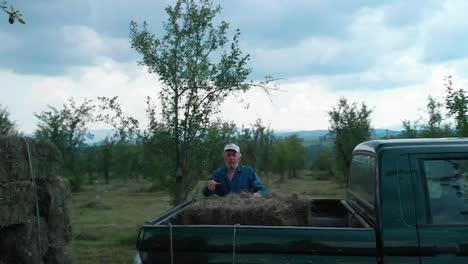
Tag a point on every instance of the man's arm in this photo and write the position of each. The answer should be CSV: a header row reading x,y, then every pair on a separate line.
x,y
257,184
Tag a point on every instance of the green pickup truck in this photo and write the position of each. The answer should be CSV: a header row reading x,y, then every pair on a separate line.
x,y
406,203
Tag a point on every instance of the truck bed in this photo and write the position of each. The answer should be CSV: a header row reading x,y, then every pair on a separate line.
x,y
324,213
335,233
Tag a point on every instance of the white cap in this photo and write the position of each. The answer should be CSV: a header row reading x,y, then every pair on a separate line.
x,y
232,147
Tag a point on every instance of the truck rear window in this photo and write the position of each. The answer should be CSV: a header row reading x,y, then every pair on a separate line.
x,y
362,178
447,183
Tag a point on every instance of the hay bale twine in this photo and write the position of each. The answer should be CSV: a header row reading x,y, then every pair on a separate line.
x,y
270,210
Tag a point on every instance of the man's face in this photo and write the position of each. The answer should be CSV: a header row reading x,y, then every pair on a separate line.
x,y
231,159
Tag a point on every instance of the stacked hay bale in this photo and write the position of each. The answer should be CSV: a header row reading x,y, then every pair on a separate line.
x,y
273,209
25,236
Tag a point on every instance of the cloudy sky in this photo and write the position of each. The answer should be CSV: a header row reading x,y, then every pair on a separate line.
x,y
389,54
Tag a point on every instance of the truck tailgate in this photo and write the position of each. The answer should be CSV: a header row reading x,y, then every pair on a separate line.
x,y
255,244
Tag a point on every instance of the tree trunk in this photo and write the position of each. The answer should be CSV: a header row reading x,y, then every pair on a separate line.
x,y
282,177
179,186
106,176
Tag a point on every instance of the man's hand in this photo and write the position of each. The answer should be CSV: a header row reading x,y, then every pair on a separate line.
x,y
212,185
257,194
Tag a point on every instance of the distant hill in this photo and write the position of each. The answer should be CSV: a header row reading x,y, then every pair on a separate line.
x,y
98,135
314,135
309,136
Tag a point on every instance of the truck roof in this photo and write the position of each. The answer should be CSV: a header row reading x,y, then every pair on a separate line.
x,y
377,145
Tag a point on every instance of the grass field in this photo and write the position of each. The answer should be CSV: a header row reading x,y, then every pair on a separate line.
x,y
106,218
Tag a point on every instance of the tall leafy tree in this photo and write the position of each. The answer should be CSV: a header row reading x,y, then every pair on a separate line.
x,y
66,128
456,102
349,125
281,154
410,129
217,135
199,68
7,126
434,127
263,138
289,156
297,155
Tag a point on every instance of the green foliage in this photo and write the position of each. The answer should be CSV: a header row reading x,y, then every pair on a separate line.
x,y
217,135
66,128
12,13
434,127
7,127
106,160
410,130
195,79
456,102
74,182
349,125
325,161
289,156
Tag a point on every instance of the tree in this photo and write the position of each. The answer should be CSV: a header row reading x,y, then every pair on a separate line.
x,y
289,156
7,127
456,103
107,158
66,128
434,127
263,138
410,130
281,158
325,161
349,126
217,135
297,155
198,67
12,13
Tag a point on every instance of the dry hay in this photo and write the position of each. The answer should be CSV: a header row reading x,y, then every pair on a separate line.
x,y
57,214
20,243
17,201
14,163
273,209
18,194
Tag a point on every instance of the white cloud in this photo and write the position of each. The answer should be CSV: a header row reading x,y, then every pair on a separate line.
x,y
300,105
305,103
26,94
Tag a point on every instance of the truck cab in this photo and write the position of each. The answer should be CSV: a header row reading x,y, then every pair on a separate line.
x,y
420,198
406,202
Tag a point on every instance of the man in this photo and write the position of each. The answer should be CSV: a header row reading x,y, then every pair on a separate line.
x,y
234,177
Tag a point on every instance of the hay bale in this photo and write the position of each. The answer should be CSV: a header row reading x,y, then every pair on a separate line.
x,y
270,210
58,215
58,255
17,201
18,225
20,243
14,163
54,206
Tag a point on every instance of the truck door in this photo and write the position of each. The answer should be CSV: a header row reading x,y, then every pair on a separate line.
x,y
440,183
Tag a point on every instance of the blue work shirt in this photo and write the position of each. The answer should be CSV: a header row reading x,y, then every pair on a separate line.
x,y
244,180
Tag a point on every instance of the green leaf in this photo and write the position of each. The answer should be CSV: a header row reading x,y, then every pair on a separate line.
x,y
12,8
21,21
